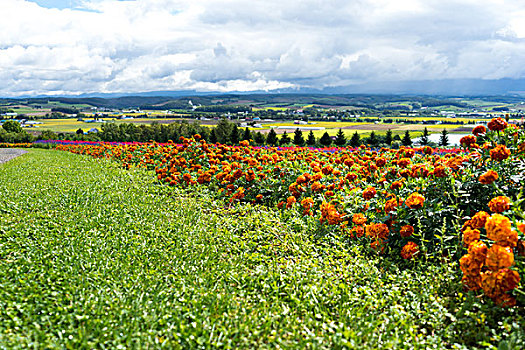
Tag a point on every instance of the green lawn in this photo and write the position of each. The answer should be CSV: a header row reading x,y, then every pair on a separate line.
x,y
93,256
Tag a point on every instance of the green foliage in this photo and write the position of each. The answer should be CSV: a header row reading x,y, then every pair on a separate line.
x,y
298,138
340,139
325,140
373,140
259,138
247,135
234,135
271,139
285,139
407,141
388,137
310,141
355,141
12,126
443,139
424,139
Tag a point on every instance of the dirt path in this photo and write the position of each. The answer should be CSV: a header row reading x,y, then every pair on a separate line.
x,y
10,153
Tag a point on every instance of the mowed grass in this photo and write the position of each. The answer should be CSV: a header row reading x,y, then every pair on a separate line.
x,y
93,256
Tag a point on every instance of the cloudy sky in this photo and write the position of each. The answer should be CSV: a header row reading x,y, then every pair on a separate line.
x,y
62,47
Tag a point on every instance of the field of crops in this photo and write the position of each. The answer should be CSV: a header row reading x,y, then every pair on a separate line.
x,y
199,245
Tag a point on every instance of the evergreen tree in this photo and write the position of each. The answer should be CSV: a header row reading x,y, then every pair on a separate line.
x,y
355,141
223,130
311,139
285,139
80,131
213,137
298,138
272,138
258,138
326,140
373,140
388,137
424,139
247,134
340,139
443,139
234,135
407,141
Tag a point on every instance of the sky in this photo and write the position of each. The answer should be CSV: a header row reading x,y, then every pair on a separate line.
x,y
70,47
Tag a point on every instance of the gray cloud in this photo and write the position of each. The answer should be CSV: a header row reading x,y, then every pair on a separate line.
x,y
226,45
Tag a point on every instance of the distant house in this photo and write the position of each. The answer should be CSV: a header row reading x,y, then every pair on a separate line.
x,y
93,131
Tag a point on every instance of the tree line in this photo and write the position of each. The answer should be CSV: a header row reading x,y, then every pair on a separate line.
x,y
225,132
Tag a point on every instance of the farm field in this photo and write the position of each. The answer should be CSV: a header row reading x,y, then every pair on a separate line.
x,y
92,255
349,128
72,125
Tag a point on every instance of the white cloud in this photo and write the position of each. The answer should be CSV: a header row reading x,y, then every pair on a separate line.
x,y
234,45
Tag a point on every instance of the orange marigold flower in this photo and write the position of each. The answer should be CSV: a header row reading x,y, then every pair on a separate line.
x,y
496,283
369,193
378,231
396,185
415,201
470,235
380,162
330,214
290,202
391,205
410,250
499,204
510,279
406,231
478,130
499,257
497,124
357,231
479,219
472,282
440,171
280,205
498,228
521,227
499,153
359,219
469,266
403,162
329,193
307,202
478,251
467,141
489,177
317,187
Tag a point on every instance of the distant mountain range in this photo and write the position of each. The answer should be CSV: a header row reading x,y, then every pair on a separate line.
x,y
445,87
427,93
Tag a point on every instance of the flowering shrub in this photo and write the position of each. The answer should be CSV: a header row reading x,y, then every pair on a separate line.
x,y
407,203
